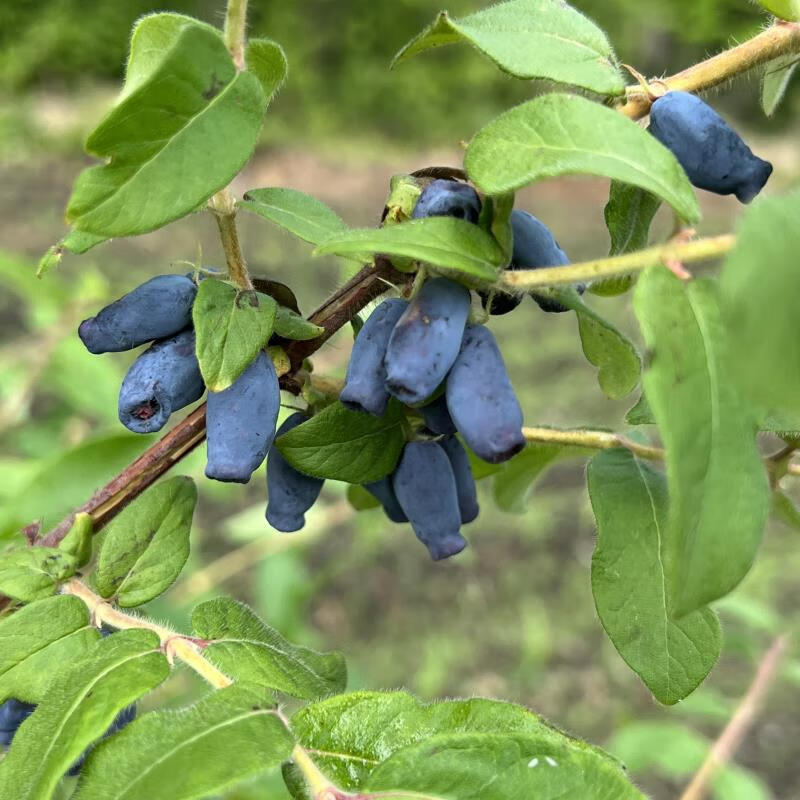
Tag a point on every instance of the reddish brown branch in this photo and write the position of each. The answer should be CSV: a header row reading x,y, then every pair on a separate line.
x,y
334,313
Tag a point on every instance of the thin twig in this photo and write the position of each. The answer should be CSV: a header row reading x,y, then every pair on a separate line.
x,y
731,738
591,440
777,40
235,25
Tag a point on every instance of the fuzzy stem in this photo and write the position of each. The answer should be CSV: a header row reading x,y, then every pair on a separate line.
x,y
777,40
224,210
235,24
591,440
685,252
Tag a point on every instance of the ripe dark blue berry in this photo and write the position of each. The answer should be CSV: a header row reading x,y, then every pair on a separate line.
x,y
425,340
240,422
481,399
165,378
437,417
462,472
159,308
709,150
443,198
426,490
534,248
502,302
290,493
365,387
12,714
383,492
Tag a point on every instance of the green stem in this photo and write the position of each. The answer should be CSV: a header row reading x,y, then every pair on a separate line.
x,y
686,252
235,24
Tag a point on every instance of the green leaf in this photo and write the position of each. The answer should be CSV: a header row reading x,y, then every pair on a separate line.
x,y
492,766
146,545
231,327
500,207
353,733
629,214
267,61
617,360
81,703
719,495
784,9
346,445
560,134
759,284
32,573
630,505
360,499
449,244
37,640
785,510
513,485
299,213
230,736
191,123
292,326
151,40
247,649
775,81
78,541
75,242
531,39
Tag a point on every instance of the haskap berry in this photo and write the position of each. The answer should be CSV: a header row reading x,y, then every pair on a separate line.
x,y
425,340
437,417
365,385
426,490
290,493
443,198
711,153
383,492
163,379
481,400
462,472
159,308
240,422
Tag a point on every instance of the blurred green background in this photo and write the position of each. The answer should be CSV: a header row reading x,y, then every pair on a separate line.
x,y
513,616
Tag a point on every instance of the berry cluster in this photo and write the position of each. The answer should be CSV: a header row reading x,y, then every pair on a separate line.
x,y
14,712
166,377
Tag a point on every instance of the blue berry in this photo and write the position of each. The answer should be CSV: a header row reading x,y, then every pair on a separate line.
x,y
465,483
426,490
240,422
12,714
165,378
481,399
159,308
443,198
290,493
425,340
712,154
437,417
365,386
383,492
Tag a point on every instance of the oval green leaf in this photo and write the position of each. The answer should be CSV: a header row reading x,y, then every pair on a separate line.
x,y
178,137
560,134
452,245
783,9
530,39
629,499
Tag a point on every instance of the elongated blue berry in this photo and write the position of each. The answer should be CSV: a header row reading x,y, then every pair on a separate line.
x,y
240,422
365,386
165,378
462,472
426,490
712,154
12,714
425,340
481,399
383,492
437,417
159,308
443,198
290,493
